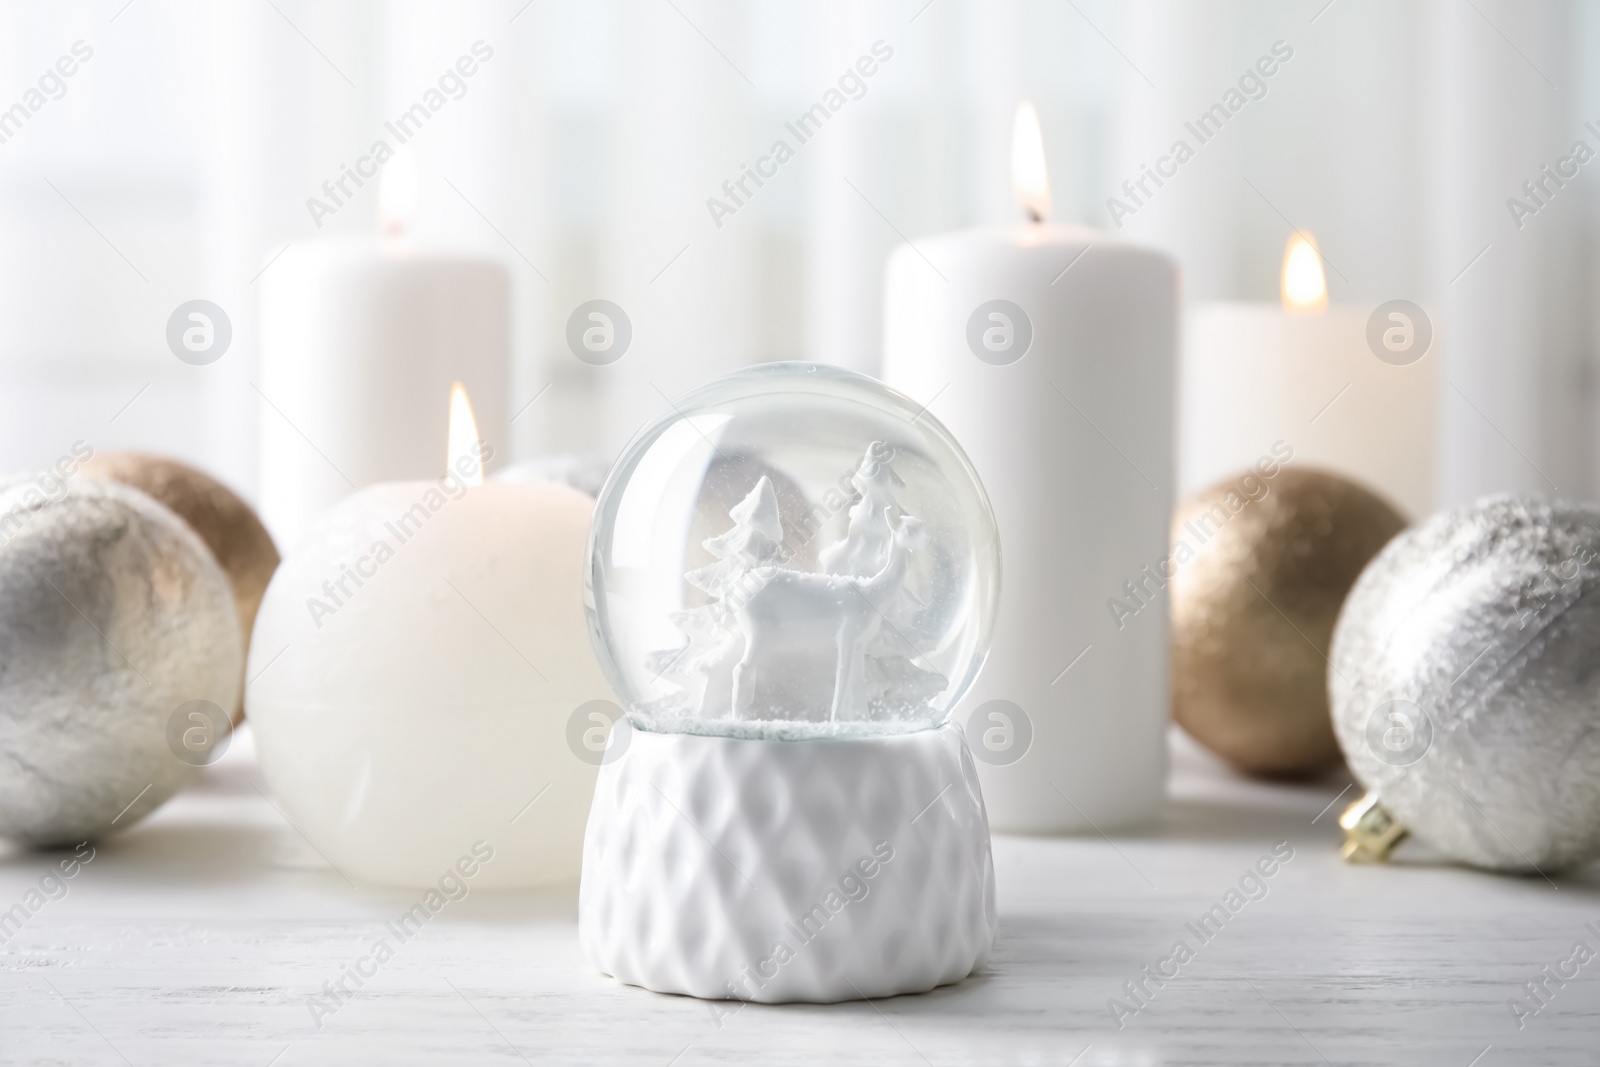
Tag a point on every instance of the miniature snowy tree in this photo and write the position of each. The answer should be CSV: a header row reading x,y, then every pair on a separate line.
x,y
895,685
868,537
702,668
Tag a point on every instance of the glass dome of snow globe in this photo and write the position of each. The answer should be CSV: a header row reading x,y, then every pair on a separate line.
x,y
792,551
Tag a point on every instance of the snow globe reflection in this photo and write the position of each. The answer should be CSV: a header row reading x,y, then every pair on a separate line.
x,y
794,551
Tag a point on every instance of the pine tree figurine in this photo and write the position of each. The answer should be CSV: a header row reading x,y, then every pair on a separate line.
x,y
703,668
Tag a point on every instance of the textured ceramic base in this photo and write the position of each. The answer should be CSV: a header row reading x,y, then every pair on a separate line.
x,y
788,870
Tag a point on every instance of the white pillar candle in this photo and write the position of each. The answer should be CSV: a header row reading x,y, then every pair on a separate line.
x,y
359,340
417,662
1310,375
1073,440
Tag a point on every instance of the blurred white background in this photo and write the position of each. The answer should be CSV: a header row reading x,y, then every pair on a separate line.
x,y
178,162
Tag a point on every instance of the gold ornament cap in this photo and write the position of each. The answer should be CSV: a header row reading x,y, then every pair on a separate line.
x,y
1371,832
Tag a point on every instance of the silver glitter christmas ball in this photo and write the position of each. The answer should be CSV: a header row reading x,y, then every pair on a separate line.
x,y
229,527
115,624
1465,682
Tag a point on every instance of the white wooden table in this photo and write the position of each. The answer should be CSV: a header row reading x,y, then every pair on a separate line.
x,y
199,935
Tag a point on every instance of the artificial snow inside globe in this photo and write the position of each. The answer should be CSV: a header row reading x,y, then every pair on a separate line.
x,y
792,577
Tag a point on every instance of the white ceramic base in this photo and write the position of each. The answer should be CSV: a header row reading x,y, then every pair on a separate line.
x,y
780,871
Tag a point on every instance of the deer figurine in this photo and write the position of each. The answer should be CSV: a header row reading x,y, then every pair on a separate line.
x,y
789,615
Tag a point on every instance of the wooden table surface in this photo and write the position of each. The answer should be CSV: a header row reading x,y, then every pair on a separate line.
x,y
200,935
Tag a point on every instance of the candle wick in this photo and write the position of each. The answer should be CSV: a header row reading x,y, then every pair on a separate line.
x,y
1034,216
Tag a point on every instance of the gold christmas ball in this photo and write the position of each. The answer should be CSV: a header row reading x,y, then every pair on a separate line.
x,y
227,525
1260,567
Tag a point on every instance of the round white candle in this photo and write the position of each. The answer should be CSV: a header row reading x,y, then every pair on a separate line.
x,y
1073,441
415,666
359,340
1255,373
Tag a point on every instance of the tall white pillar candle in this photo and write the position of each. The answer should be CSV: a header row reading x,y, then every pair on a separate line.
x,y
1349,388
359,340
1049,352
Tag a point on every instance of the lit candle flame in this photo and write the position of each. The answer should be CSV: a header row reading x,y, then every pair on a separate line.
x,y
464,458
397,194
1304,286
1029,181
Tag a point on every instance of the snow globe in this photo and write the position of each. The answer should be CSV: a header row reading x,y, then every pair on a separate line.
x,y
792,577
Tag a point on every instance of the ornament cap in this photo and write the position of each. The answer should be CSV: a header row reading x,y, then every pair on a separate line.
x,y
1371,832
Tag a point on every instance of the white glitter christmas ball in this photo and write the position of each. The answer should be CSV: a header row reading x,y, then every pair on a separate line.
x,y
1465,682
113,616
